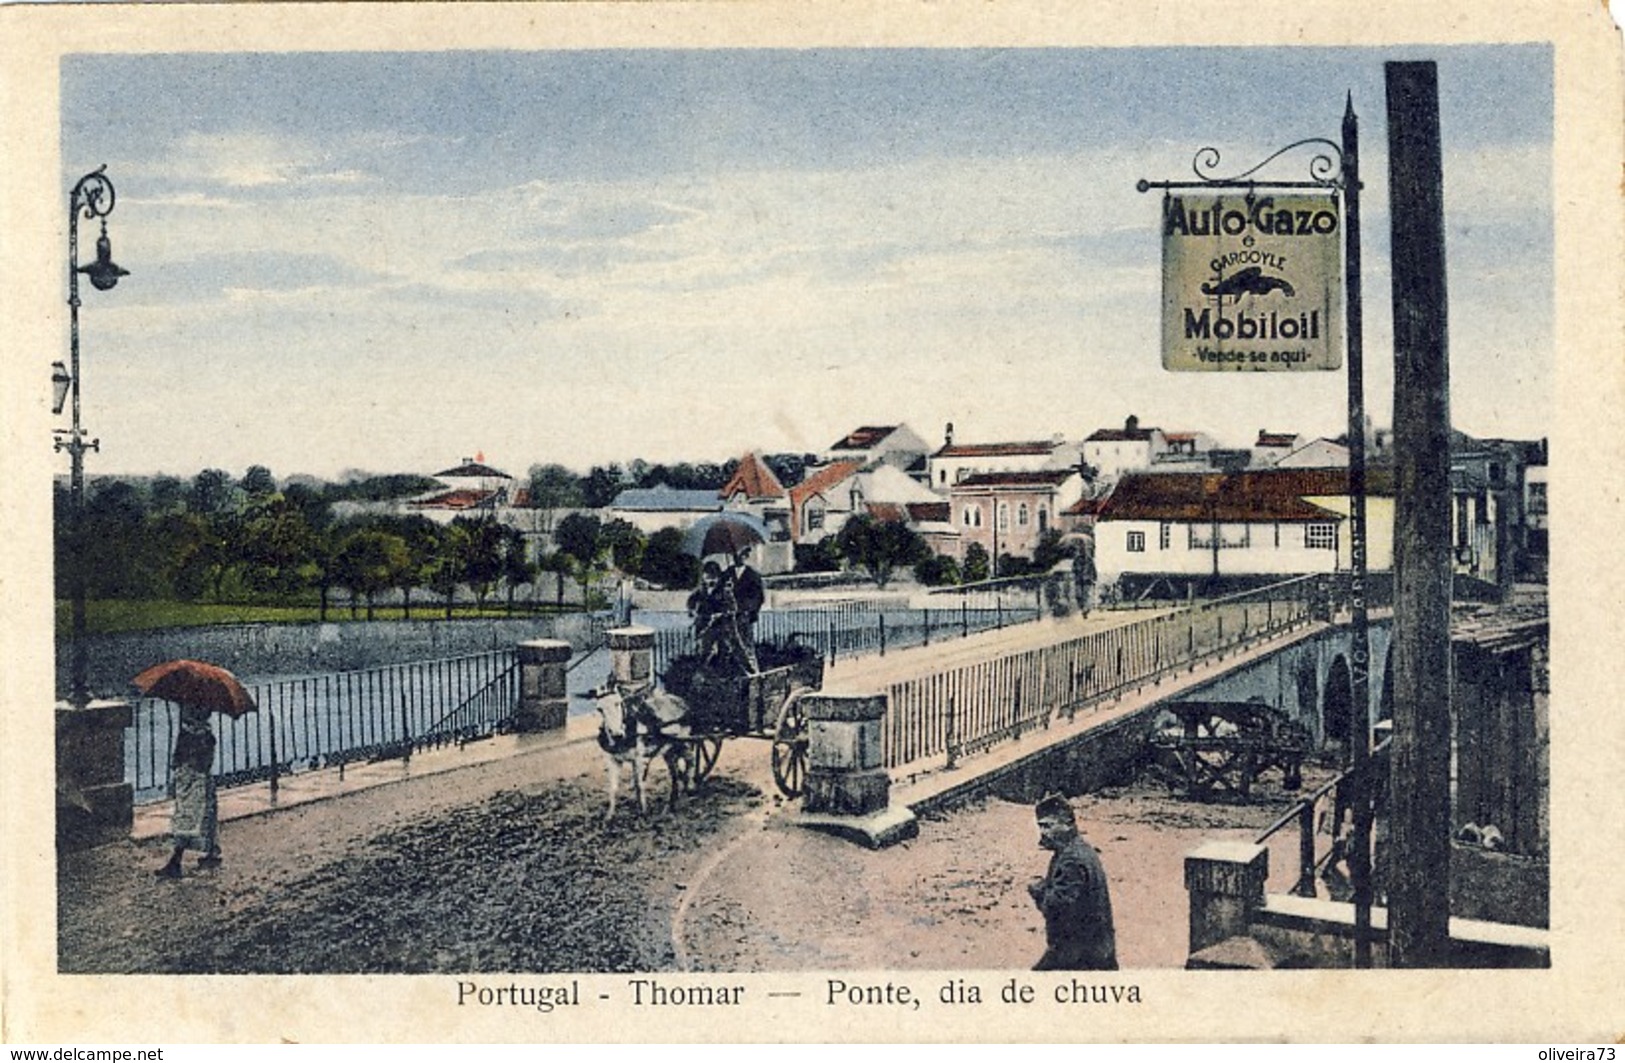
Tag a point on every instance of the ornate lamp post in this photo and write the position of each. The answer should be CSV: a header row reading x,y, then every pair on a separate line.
x,y
93,197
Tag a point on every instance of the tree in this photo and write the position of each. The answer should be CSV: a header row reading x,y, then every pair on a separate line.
x,y
557,563
445,570
517,567
938,570
579,539
258,482
277,546
369,561
554,487
822,556
479,545
625,544
665,562
211,492
601,485
974,570
879,546
422,538
168,494
1049,552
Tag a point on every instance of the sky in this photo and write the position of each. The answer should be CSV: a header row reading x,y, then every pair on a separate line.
x,y
392,261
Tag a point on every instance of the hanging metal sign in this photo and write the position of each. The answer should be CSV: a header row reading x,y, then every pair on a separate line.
x,y
1251,283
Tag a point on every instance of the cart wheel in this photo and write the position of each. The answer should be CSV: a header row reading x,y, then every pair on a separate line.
x,y
790,745
706,752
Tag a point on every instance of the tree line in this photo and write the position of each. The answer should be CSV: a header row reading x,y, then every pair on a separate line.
x,y
216,539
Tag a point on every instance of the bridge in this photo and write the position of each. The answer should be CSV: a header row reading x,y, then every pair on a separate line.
x,y
1066,704
1062,703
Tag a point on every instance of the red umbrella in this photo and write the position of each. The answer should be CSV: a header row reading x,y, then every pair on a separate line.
x,y
200,685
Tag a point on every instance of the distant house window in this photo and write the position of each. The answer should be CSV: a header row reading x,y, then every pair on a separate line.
x,y
815,519
1165,535
1463,518
1021,515
1043,518
1537,497
1004,515
1320,536
1136,542
942,476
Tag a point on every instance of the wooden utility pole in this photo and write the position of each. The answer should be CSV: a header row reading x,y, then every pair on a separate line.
x,y
1417,863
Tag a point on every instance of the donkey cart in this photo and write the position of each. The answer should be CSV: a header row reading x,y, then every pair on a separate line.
x,y
764,704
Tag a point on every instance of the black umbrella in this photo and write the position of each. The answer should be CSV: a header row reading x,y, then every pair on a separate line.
x,y
723,533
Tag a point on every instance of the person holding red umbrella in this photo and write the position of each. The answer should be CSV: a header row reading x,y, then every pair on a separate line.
x,y
196,820
199,689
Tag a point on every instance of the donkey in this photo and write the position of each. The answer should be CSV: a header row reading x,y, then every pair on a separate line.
x,y
636,726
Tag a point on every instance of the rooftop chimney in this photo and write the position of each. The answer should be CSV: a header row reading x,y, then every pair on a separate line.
x,y
948,435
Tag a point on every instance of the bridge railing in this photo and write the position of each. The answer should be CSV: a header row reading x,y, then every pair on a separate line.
x,y
859,628
338,719
1323,813
964,710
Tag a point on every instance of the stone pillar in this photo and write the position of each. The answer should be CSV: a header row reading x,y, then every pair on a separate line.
x,y
632,655
94,804
845,772
543,700
1226,884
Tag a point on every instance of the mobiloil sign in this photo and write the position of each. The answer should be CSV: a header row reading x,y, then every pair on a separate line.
x,y
1251,283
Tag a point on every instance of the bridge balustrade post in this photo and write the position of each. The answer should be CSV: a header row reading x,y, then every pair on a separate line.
x,y
848,790
543,700
1225,880
94,804
1305,886
631,654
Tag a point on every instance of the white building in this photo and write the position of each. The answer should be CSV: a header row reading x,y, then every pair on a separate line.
x,y
1111,452
954,462
1259,523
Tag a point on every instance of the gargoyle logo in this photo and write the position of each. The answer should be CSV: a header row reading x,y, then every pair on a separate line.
x,y
1250,281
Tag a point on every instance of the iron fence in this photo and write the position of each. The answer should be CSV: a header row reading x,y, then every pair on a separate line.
x,y
964,710
334,720
857,628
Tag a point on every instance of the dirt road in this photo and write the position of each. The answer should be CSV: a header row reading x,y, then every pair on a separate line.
x,y
509,866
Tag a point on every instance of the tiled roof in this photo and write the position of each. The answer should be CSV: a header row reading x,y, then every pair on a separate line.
x,y
663,499
462,498
891,512
754,478
1261,495
1121,435
1028,479
921,512
474,469
864,438
1083,507
996,450
822,479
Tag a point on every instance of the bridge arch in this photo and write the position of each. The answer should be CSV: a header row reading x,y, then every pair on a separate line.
x,y
1385,701
1308,684
1337,704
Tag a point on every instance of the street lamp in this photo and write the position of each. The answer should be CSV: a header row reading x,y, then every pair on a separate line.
x,y
93,197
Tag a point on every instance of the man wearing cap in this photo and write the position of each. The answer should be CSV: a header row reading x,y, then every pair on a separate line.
x,y
1072,895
